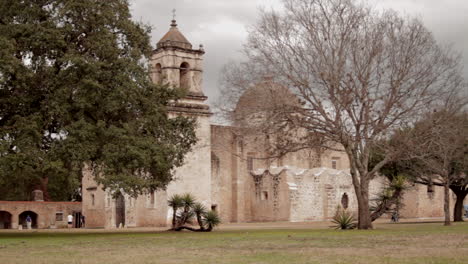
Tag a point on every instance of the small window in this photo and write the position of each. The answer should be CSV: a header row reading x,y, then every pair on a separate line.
x,y
214,207
264,196
152,199
92,199
249,163
430,191
335,163
58,217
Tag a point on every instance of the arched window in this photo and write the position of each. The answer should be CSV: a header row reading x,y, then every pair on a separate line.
x,y
157,73
184,81
345,201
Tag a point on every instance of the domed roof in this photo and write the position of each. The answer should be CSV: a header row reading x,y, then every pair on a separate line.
x,y
174,38
263,97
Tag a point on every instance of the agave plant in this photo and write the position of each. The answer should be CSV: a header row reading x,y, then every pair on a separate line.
x,y
344,220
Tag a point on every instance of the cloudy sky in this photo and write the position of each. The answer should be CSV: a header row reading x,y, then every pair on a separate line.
x,y
221,25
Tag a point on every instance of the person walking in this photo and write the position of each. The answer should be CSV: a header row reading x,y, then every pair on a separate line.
x,y
28,222
70,220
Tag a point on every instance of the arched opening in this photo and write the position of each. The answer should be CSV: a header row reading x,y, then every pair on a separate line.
x,y
157,73
120,210
92,199
22,219
184,81
345,201
5,220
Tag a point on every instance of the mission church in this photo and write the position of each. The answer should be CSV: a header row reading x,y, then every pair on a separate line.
x,y
226,170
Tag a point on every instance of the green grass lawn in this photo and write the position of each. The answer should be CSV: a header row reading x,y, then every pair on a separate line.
x,y
388,243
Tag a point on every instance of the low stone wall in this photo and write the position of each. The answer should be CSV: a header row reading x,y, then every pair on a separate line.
x,y
43,214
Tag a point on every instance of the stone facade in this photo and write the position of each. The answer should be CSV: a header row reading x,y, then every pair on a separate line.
x,y
230,172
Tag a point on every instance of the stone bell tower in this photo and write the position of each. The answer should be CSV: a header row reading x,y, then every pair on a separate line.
x,y
176,63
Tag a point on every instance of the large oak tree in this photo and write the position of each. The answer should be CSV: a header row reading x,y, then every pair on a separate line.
x,y
75,90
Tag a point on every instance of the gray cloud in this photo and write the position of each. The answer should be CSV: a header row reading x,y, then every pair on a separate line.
x,y
221,25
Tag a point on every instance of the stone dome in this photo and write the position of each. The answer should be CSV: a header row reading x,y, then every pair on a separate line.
x,y
174,38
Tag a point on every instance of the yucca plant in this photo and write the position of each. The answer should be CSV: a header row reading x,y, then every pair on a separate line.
x,y
211,220
188,200
175,202
185,208
199,210
343,220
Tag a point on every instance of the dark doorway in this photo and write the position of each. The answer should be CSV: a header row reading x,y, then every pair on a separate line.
x,y
24,215
345,201
119,210
77,219
5,220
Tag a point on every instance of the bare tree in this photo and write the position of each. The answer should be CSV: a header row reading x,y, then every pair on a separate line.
x,y
435,153
357,72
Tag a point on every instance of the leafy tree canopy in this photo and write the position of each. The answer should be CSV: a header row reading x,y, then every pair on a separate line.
x,y
75,92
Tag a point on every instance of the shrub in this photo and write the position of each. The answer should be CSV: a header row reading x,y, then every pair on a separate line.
x,y
343,220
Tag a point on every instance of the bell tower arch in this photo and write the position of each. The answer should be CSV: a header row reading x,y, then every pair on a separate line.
x,y
176,63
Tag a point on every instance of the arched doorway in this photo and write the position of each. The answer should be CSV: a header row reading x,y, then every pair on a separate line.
x,y
119,210
22,219
345,201
5,220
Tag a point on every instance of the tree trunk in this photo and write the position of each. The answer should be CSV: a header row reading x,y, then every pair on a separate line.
x,y
364,218
43,186
458,209
200,222
174,211
447,204
185,227
386,205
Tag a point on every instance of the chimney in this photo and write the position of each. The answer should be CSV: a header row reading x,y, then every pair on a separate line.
x,y
38,196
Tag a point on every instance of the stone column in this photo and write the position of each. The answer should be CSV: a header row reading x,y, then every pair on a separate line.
x,y
14,220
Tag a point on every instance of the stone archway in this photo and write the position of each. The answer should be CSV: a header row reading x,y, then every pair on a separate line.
x,y
22,219
5,220
120,210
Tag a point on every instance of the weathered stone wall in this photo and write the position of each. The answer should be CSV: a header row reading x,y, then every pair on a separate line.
x,y
195,175
419,203
271,198
96,208
224,172
307,194
44,214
